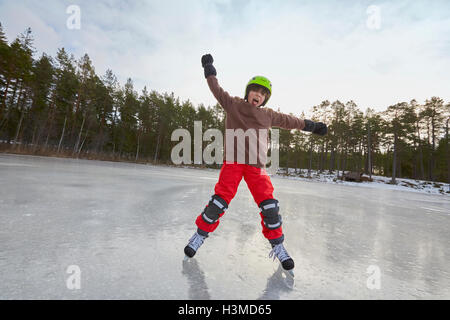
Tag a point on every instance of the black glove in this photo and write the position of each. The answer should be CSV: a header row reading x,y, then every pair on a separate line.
x,y
207,61
319,128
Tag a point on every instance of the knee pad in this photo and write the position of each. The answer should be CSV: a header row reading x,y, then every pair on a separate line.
x,y
269,210
215,207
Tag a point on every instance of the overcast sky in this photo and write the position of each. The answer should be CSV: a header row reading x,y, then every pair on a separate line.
x,y
376,53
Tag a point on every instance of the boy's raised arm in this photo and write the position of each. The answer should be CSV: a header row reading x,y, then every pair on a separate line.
x,y
221,95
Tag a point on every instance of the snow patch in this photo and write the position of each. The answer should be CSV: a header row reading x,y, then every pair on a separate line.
x,y
402,184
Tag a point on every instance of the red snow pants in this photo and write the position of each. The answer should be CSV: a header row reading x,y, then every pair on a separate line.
x,y
260,187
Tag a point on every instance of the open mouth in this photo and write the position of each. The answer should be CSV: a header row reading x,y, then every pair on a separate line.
x,y
255,101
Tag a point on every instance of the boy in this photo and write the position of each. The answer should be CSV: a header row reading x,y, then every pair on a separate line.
x,y
247,115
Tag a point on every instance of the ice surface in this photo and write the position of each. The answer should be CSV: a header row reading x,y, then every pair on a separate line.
x,y
125,227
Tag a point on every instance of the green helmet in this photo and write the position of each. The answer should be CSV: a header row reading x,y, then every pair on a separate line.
x,y
260,81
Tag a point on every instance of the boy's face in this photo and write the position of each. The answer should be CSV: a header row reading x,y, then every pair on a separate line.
x,y
256,97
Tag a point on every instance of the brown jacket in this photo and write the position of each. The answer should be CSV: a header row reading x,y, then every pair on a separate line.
x,y
254,122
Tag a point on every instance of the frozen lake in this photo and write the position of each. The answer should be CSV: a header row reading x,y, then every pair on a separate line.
x,y
124,226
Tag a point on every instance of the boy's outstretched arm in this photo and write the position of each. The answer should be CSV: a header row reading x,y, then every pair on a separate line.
x,y
221,95
286,121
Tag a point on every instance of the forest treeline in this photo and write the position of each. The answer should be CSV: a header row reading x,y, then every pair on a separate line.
x,y
60,106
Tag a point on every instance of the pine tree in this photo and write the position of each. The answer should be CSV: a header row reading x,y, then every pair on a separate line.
x,y
5,61
20,101
62,99
434,113
112,87
3,39
401,123
4,54
41,86
84,109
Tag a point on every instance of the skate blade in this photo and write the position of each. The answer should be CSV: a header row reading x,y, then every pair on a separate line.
x,y
186,258
289,273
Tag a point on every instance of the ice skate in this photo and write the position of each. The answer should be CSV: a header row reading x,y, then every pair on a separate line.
x,y
279,251
194,244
